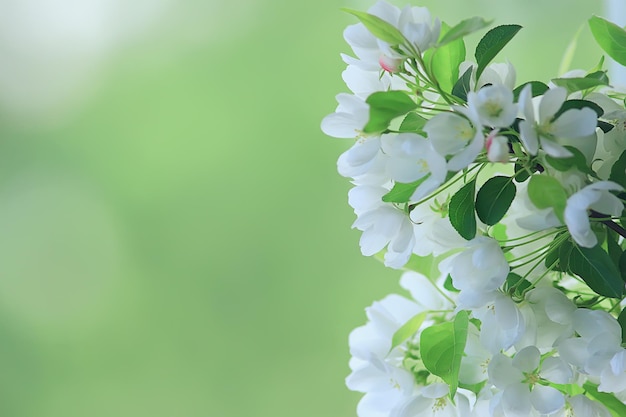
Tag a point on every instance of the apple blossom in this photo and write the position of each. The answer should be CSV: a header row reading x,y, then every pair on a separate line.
x,y
516,278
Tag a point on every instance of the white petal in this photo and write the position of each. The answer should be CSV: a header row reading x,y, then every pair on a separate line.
x,y
618,363
516,401
436,390
467,155
592,323
554,149
360,158
551,102
576,123
422,290
577,221
584,407
527,359
357,36
574,351
341,125
528,136
449,133
502,373
556,370
525,104
385,11
546,400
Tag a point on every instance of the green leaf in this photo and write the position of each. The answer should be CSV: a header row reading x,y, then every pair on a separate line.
x,y
577,161
494,199
516,284
461,211
537,88
449,285
463,28
599,74
621,265
413,122
475,388
618,170
522,173
606,127
578,84
615,406
565,252
444,61
545,191
579,104
462,86
386,106
596,268
492,43
402,192
622,322
614,249
568,55
408,329
378,27
442,346
610,37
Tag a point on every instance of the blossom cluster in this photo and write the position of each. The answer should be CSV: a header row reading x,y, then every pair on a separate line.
x,y
504,203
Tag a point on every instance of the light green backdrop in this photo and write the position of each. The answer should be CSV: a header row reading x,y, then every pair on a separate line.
x,y
178,244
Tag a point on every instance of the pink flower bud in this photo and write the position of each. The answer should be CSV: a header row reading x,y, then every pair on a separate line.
x,y
392,65
497,147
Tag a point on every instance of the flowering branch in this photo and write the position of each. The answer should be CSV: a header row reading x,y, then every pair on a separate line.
x,y
609,223
482,191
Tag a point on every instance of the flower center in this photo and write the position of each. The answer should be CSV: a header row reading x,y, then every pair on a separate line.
x,y
439,404
493,108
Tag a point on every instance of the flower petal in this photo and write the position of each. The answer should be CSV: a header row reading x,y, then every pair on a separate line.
x,y
546,400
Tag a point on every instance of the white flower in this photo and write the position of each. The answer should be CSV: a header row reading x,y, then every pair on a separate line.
x,y
434,401
434,234
540,128
411,157
382,225
613,377
596,197
581,406
415,23
493,104
516,376
385,386
349,118
418,27
364,162
376,371
611,144
503,324
475,359
366,47
424,292
478,271
363,83
597,350
551,316
456,135
494,74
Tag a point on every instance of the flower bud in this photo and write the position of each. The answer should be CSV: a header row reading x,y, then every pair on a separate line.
x,y
392,65
497,147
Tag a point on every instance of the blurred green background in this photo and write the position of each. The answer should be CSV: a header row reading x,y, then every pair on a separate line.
x,y
174,238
